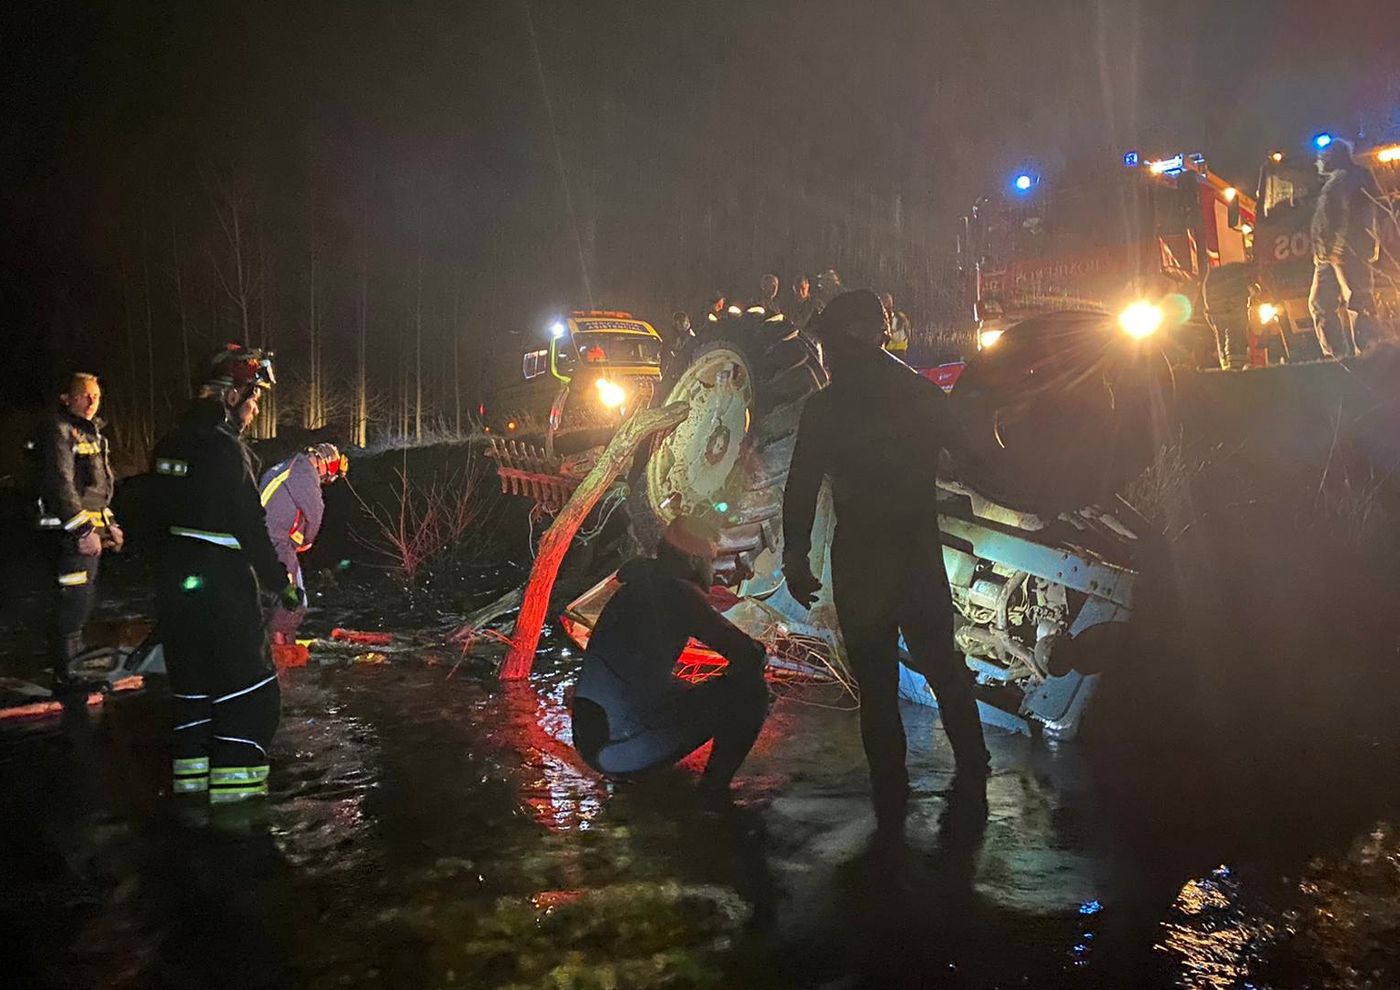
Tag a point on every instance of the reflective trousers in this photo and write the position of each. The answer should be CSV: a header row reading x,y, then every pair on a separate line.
x,y
884,585
1339,287
75,594
225,698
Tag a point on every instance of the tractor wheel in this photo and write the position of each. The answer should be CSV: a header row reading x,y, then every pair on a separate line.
x,y
746,384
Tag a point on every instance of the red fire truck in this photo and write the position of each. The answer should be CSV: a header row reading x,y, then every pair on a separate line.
x,y
1135,239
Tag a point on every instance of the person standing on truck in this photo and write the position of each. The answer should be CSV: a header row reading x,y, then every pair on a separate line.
x,y
212,557
1344,244
291,498
75,481
876,433
1225,292
630,712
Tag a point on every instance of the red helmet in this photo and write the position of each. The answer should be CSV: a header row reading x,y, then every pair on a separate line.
x,y
246,369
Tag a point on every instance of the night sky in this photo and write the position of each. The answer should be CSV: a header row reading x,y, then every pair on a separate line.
x,y
508,161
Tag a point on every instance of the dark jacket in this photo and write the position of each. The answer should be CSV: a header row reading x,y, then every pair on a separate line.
x,y
75,474
876,432
293,502
641,633
1344,219
205,483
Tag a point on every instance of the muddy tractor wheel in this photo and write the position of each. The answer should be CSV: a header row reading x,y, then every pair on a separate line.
x,y
746,385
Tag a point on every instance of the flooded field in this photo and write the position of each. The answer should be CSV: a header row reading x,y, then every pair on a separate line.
x,y
430,828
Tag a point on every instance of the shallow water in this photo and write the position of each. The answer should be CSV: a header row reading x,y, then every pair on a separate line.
x,y
429,828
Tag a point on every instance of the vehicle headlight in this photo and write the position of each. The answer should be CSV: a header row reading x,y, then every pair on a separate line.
x,y
610,394
987,338
1141,320
1268,312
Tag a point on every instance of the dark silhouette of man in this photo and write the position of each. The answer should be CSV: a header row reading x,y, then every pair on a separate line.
x,y
876,433
1344,245
631,714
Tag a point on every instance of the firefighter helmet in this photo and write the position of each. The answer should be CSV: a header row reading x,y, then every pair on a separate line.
x,y
329,461
246,369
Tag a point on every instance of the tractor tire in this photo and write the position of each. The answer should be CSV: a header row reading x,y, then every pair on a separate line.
x,y
746,381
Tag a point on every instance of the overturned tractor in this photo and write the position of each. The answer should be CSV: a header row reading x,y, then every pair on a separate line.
x,y
1039,553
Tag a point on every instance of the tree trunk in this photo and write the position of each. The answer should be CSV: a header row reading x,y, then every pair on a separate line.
x,y
180,305
555,543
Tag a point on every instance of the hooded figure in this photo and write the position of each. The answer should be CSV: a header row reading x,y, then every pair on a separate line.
x,y
875,433
630,712
1344,244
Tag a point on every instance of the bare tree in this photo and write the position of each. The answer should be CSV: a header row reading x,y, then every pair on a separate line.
x,y
314,415
360,428
418,352
180,306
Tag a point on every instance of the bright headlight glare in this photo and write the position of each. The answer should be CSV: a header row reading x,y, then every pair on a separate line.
x,y
1140,320
987,338
1268,312
610,393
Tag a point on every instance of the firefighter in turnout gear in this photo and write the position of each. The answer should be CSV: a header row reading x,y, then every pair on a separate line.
x,y
75,494
291,498
876,432
213,556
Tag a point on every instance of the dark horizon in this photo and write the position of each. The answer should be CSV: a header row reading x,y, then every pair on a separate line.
x,y
650,155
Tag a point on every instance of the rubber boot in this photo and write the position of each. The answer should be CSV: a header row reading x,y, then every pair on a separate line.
x,y
63,651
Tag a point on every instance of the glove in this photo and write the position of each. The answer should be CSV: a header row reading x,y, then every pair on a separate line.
x,y
90,544
802,583
291,598
116,537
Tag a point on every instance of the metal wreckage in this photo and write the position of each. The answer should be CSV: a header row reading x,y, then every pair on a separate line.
x,y
1038,547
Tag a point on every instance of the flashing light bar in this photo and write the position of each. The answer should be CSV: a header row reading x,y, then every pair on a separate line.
x,y
1131,160
1387,155
1167,166
1023,182
1322,140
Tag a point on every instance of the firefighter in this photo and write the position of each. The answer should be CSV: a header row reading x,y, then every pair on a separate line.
x,y
876,433
900,328
292,501
1344,244
630,713
1226,296
74,504
211,559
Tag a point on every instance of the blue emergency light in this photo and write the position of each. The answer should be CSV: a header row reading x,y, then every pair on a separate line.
x,y
1130,159
1023,182
1322,140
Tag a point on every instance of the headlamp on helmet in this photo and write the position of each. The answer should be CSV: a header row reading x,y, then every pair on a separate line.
x,y
248,370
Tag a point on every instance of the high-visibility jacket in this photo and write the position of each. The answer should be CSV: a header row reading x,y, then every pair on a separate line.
x,y
75,475
291,497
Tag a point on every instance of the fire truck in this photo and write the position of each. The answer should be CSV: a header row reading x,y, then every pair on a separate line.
x,y
1282,246
1135,239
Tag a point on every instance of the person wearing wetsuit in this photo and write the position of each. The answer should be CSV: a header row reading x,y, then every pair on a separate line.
x,y
876,433
630,712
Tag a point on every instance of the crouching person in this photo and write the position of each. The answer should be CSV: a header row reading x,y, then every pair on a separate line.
x,y
630,712
291,498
